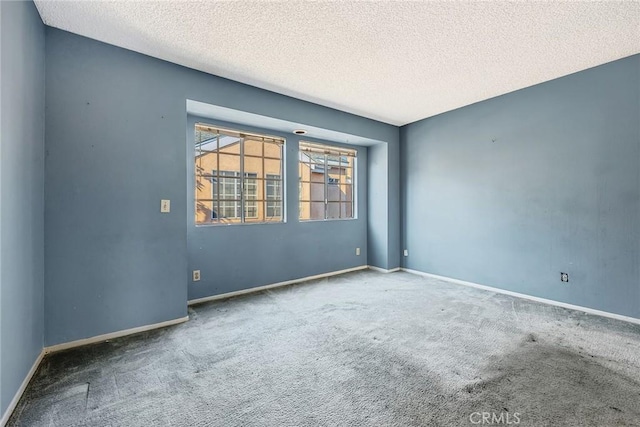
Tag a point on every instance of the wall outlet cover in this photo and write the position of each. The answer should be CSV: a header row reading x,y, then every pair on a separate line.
x,y
564,277
196,275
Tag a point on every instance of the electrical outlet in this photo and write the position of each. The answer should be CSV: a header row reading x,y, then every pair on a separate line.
x,y
564,277
406,252
165,206
196,275
358,251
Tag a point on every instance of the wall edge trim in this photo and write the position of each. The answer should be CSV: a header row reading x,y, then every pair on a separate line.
x,y
383,270
16,398
587,310
273,285
111,335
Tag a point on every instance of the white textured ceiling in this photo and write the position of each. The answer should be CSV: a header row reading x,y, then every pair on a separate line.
x,y
396,62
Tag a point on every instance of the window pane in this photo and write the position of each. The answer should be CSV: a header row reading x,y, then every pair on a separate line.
x,y
203,135
252,148
253,166
311,211
251,187
346,193
304,171
333,159
346,176
229,210
205,212
333,193
273,167
229,145
317,192
304,191
273,150
305,211
226,187
317,210
251,209
228,163
204,187
206,143
273,188
333,211
274,210
347,210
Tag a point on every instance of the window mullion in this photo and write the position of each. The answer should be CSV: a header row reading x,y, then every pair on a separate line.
x,y
282,190
264,187
218,175
242,197
326,190
339,186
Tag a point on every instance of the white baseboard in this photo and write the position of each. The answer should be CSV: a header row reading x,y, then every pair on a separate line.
x,y
23,387
383,270
528,297
274,285
112,335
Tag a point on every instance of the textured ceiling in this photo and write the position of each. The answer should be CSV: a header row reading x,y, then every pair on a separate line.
x,y
396,62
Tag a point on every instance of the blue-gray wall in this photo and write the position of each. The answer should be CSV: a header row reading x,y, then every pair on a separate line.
x,y
394,206
511,191
384,199
115,129
236,257
378,196
21,194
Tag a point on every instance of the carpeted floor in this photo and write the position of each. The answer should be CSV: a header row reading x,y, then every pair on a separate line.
x,y
361,349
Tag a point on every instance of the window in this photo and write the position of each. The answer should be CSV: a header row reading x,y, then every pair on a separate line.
x,y
230,194
238,177
274,195
326,182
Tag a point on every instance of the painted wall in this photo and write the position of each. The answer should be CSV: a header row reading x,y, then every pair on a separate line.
x,y
384,200
393,205
236,257
21,194
378,191
115,128
512,191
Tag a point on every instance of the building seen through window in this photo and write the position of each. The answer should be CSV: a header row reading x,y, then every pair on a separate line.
x,y
327,179
238,177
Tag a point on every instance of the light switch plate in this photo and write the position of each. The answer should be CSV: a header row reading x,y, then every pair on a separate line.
x,y
165,206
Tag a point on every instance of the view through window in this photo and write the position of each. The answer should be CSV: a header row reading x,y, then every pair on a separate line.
x,y
238,176
326,176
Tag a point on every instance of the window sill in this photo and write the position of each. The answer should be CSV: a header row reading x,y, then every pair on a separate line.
x,y
326,220
242,224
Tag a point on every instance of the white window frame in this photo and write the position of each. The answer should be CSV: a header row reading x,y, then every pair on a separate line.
x,y
328,150
245,198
